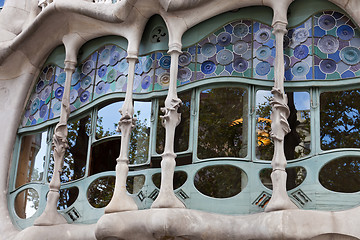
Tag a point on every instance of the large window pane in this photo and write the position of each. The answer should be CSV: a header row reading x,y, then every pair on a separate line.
x,y
32,159
297,141
222,123
107,120
340,119
75,155
182,130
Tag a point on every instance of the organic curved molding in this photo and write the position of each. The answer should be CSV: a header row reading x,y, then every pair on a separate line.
x,y
175,5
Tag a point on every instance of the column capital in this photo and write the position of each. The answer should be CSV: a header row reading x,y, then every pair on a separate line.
x,y
132,56
70,65
175,47
279,27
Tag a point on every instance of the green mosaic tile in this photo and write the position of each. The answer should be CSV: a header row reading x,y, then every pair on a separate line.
x,y
334,75
219,31
319,53
191,66
270,75
247,73
219,69
332,32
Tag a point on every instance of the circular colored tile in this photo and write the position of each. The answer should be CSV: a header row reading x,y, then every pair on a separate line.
x,y
262,68
34,106
61,78
224,57
49,73
345,32
46,93
147,65
350,55
73,96
184,59
241,30
240,47
56,109
263,35
43,110
240,64
286,62
300,69
224,39
121,81
102,71
301,51
184,74
208,67
39,86
263,52
137,82
146,81
165,62
138,68
87,67
208,50
111,76
75,78
85,82
164,79
114,57
300,35
84,96
328,44
105,54
327,66
123,66
100,88
59,92
327,22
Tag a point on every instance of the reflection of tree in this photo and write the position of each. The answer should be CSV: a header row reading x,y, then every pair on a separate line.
x,y
217,136
220,181
179,179
296,175
265,146
139,142
101,191
341,175
339,119
67,197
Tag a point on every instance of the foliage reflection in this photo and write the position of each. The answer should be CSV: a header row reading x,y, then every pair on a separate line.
x,y
26,203
179,179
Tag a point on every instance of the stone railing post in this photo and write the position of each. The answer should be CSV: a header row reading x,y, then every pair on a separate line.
x,y
170,120
121,201
279,127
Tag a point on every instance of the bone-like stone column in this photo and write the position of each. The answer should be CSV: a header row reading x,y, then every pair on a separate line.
x,y
279,127
121,201
170,120
50,216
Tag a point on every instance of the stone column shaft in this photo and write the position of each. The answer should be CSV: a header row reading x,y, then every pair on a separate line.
x,y
121,201
171,119
279,127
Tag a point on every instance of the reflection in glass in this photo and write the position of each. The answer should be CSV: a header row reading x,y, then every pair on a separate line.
x,y
295,176
341,175
26,203
107,120
31,159
222,123
340,119
181,142
180,178
135,183
75,155
102,161
67,197
101,191
220,181
297,141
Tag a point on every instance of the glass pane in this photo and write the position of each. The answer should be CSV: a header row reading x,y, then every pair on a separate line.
x,y
101,191
295,176
223,123
180,178
32,159
107,120
220,181
140,135
181,143
135,183
75,155
26,203
341,175
297,141
67,197
340,119
102,161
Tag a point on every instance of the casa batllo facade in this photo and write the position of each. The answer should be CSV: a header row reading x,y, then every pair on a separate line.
x,y
179,119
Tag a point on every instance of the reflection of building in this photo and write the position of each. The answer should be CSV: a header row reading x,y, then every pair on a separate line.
x,y
219,58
